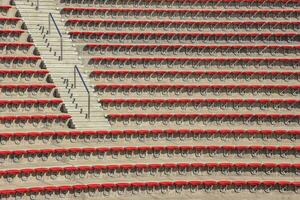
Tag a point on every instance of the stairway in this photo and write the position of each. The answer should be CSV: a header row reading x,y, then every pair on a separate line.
x,y
62,71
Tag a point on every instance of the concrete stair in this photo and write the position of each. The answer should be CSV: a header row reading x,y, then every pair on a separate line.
x,y
62,71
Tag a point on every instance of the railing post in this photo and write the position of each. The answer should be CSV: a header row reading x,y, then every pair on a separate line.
x,y
37,4
49,28
59,33
89,106
75,76
61,48
86,88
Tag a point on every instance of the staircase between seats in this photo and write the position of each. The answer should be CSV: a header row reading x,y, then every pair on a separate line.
x,y
62,71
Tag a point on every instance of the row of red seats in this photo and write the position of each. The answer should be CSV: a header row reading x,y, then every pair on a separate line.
x,y
219,63
231,87
182,25
284,150
209,101
20,57
144,167
14,44
35,117
24,71
188,46
219,116
164,186
176,59
31,101
209,73
225,1
159,34
167,22
32,86
217,1
14,19
189,12
149,132
5,6
12,31
253,11
202,90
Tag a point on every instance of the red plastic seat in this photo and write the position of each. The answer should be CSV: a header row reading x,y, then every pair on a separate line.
x,y
41,170
141,166
109,185
26,171
166,183
80,187
180,183
195,183
197,165
210,183
154,166
224,183
103,149
123,185
268,183
21,190
56,169
253,183
138,184
152,184
127,166
99,167
12,172
65,188
169,165
94,186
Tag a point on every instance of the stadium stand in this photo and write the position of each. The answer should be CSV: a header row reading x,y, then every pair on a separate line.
x,y
152,99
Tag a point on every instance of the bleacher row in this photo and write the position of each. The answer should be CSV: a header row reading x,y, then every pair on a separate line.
x,y
174,75
154,151
181,4
195,63
106,189
147,37
146,135
186,64
198,90
189,50
152,169
179,14
164,25
230,105
202,98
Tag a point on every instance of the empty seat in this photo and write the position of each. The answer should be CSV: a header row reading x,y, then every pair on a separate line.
x,y
169,37
196,63
108,188
193,4
200,89
89,24
175,75
7,48
10,22
154,152
83,12
190,50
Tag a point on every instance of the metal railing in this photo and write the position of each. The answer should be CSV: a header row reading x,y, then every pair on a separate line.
x,y
86,88
37,4
59,33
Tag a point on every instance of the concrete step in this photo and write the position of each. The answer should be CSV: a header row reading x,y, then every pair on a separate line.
x,y
60,70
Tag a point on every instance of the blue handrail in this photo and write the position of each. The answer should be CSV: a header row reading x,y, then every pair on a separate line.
x,y
86,88
59,33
